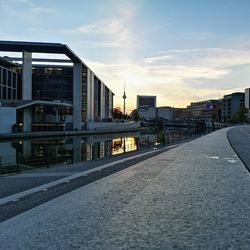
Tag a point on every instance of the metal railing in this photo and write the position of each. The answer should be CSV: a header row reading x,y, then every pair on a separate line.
x,y
18,162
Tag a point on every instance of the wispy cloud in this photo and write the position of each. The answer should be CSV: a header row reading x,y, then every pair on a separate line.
x,y
110,32
212,57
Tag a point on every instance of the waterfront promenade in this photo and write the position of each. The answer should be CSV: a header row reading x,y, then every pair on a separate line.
x,y
195,196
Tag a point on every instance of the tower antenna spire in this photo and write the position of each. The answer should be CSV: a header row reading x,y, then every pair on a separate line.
x,y
124,99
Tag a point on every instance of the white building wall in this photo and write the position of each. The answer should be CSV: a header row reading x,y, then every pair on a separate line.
x,y
7,119
7,154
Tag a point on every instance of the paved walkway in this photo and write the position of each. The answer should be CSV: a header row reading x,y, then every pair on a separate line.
x,y
195,196
15,183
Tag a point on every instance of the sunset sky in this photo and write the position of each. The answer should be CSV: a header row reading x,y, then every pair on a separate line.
x,y
178,50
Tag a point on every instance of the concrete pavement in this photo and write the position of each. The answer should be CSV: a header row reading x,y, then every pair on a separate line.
x,y
195,196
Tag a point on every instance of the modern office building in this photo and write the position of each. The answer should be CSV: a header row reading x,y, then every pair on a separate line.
x,y
231,104
47,92
209,110
145,100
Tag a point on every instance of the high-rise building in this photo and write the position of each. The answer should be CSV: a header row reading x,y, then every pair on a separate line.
x,y
145,100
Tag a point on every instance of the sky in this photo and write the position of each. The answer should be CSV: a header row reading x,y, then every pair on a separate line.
x,y
179,50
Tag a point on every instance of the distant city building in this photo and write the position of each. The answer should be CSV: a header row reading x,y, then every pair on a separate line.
x,y
144,100
147,112
231,104
180,114
247,98
49,93
166,113
209,110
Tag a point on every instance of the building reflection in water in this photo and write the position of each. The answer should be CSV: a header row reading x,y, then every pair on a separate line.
x,y
66,150
123,145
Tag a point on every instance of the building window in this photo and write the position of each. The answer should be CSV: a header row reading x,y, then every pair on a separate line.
x,y
4,76
4,92
9,79
9,93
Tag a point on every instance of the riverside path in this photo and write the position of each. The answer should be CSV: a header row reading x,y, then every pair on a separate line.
x,y
195,196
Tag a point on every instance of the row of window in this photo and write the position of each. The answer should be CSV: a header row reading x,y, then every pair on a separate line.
x,y
8,77
7,93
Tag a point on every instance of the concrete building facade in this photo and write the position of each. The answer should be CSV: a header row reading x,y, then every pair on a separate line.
x,y
51,91
209,110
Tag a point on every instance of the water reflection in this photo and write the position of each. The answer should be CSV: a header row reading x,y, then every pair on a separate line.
x,y
48,152
123,145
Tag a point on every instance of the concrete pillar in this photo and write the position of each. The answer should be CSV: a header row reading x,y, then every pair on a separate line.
x,y
102,149
110,104
77,96
92,90
103,102
89,151
77,149
88,95
27,120
27,76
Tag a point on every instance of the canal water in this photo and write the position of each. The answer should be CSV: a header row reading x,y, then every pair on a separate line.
x,y
25,154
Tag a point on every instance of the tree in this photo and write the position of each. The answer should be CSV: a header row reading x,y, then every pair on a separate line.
x,y
117,113
135,115
240,115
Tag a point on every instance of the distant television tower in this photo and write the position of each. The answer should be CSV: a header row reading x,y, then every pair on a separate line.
x,y
124,100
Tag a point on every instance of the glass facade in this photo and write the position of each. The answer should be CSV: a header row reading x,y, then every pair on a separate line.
x,y
52,83
147,101
97,99
8,84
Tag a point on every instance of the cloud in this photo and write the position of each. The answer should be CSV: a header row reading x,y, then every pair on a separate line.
x,y
178,77
109,33
208,57
43,10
